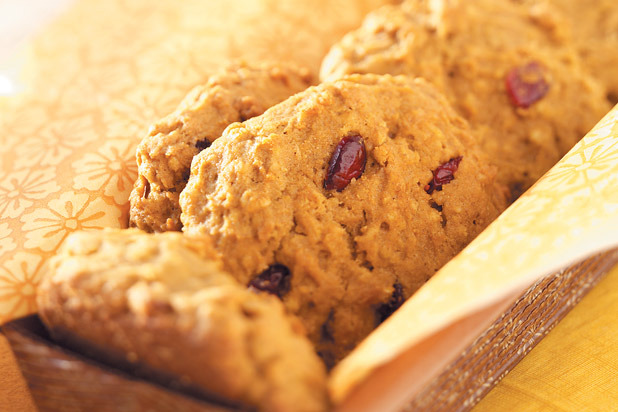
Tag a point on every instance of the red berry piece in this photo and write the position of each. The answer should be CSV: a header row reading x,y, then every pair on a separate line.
x,y
274,280
347,163
146,189
443,175
527,84
388,308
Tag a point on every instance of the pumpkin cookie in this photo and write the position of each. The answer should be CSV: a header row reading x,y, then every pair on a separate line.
x,y
510,72
161,302
164,157
343,200
594,27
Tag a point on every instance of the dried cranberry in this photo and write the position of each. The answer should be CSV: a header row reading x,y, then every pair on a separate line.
x,y
517,189
348,162
388,308
274,280
146,189
443,175
203,144
527,84
327,333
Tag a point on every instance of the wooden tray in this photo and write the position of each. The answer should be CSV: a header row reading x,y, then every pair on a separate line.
x,y
62,380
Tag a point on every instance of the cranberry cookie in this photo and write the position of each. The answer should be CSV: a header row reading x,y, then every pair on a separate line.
x,y
164,156
162,302
594,27
510,72
343,200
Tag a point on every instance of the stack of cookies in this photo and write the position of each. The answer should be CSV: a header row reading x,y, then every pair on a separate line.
x,y
310,213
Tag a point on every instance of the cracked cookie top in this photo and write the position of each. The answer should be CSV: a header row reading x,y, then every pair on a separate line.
x,y
234,94
323,200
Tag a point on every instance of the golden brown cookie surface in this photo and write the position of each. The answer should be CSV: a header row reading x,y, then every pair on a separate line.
x,y
162,301
235,94
507,70
286,191
594,30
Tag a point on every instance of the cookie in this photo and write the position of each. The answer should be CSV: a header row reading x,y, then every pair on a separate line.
x,y
343,200
235,94
511,73
162,302
594,28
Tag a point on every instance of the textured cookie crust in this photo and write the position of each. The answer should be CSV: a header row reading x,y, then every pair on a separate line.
x,y
235,94
467,48
594,26
162,301
259,193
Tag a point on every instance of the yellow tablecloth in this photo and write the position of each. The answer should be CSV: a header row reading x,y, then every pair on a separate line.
x,y
14,395
575,368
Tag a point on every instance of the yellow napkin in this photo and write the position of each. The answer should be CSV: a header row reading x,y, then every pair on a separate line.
x,y
575,368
